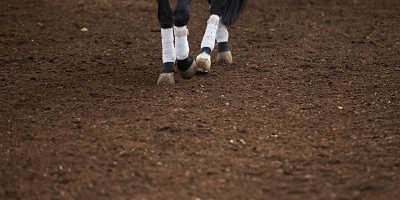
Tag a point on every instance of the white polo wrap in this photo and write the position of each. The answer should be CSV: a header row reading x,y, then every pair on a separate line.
x,y
168,50
211,32
222,33
181,42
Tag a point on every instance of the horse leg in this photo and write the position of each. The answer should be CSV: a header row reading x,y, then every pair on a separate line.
x,y
165,19
184,63
203,60
224,54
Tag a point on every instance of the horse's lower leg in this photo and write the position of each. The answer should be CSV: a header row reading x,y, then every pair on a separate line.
x,y
175,24
165,19
231,12
203,60
185,64
224,54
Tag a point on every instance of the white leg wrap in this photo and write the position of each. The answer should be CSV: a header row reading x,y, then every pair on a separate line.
x,y
181,42
211,32
168,50
222,33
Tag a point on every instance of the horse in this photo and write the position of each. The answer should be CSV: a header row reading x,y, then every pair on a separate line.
x,y
174,37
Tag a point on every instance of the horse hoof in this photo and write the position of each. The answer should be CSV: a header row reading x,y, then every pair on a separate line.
x,y
203,62
225,57
166,79
190,72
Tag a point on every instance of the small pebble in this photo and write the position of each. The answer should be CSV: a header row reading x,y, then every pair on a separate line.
x,y
76,120
242,141
274,135
309,176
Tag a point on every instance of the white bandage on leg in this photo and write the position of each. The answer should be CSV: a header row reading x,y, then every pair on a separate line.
x,y
181,42
222,33
211,32
168,50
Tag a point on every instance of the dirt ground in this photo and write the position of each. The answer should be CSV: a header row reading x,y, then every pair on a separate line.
x,y
310,109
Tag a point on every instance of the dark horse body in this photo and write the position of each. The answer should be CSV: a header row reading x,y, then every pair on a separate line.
x,y
174,34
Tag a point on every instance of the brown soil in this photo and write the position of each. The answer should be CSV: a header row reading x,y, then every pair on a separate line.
x,y
309,110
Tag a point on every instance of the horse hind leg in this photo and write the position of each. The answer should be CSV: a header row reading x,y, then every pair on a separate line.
x,y
224,55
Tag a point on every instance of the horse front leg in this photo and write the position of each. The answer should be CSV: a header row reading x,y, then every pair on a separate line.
x,y
185,64
165,19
